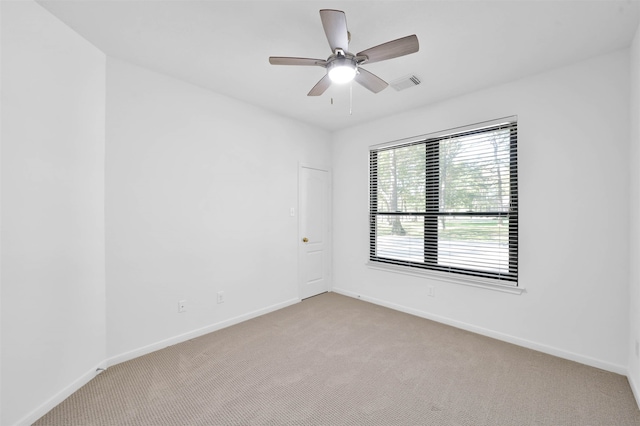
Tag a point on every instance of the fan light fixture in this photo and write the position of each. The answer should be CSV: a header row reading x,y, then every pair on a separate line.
x,y
343,66
342,70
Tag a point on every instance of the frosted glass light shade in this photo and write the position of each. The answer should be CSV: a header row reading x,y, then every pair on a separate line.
x,y
342,73
342,69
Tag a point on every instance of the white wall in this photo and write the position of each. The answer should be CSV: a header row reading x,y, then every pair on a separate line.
x,y
53,278
198,192
574,214
634,225
0,215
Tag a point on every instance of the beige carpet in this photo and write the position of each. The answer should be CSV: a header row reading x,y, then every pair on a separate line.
x,y
333,360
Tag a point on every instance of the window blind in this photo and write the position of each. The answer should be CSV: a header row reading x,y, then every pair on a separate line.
x,y
448,203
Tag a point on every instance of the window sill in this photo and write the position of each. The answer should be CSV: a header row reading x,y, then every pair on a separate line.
x,y
488,284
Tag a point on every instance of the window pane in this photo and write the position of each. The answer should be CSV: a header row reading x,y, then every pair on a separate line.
x,y
400,237
401,177
474,172
479,243
448,203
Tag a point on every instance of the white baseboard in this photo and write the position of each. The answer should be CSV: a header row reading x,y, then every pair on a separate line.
x,y
614,368
86,377
634,388
196,333
61,396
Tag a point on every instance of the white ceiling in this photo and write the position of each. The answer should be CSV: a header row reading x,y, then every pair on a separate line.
x,y
464,45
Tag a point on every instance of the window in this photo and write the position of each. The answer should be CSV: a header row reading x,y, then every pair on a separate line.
x,y
448,202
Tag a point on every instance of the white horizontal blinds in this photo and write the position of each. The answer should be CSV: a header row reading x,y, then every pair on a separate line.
x,y
399,188
448,203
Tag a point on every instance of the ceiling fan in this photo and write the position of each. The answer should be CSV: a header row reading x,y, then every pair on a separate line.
x,y
343,66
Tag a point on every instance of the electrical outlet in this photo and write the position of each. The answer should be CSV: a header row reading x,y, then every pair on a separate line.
x,y
221,297
182,306
431,291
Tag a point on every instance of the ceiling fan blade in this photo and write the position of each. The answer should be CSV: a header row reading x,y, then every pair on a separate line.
x,y
392,49
283,60
320,86
335,27
370,81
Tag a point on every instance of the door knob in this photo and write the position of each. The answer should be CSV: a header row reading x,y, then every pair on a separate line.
x,y
305,240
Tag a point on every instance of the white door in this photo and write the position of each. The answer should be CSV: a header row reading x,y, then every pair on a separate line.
x,y
315,224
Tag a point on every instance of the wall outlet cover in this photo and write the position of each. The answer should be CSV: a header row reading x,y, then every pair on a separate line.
x,y
431,291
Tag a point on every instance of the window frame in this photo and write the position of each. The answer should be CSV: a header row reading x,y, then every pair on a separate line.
x,y
432,214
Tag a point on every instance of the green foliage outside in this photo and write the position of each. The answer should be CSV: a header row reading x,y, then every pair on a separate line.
x,y
472,176
458,229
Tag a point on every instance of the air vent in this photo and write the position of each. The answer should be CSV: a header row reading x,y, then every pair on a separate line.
x,y
405,82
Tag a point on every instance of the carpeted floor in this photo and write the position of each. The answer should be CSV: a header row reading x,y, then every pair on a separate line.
x,y
334,360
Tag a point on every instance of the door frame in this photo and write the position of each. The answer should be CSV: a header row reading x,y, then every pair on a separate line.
x,y
329,245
